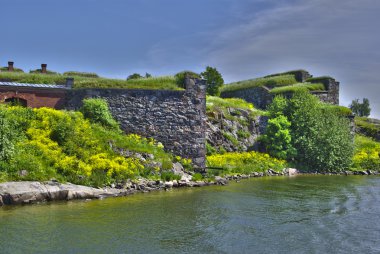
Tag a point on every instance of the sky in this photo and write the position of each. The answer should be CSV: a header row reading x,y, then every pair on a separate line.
x,y
243,39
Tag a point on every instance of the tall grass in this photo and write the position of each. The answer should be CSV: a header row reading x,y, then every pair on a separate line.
x,y
275,81
160,83
298,87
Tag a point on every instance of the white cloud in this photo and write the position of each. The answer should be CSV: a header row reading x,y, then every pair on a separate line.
x,y
336,38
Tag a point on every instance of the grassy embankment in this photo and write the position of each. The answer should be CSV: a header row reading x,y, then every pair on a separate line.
x,y
91,80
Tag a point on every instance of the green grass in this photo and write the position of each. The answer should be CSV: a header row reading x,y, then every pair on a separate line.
x,y
297,87
339,110
160,83
285,73
217,104
319,79
14,69
369,127
81,74
282,80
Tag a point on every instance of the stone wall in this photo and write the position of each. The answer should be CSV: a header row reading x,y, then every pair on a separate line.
x,y
174,118
331,95
258,96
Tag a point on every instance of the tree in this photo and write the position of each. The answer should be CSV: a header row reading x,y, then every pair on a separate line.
x,y
360,109
134,76
148,75
320,137
278,138
214,81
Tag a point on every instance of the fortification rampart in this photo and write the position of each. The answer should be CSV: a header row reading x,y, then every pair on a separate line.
x,y
174,118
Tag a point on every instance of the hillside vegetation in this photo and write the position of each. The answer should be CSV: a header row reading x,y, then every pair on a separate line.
x,y
40,144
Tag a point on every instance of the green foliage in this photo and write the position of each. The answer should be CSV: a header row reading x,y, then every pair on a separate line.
x,y
81,74
162,83
368,127
7,138
230,138
243,134
246,162
180,77
278,138
367,154
319,79
236,103
65,146
134,76
169,176
360,109
197,177
97,111
210,149
275,81
298,87
321,138
213,79
338,110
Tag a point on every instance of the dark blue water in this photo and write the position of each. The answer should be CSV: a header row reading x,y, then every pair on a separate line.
x,y
306,214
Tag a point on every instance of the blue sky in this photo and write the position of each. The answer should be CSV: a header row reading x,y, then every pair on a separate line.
x,y
241,38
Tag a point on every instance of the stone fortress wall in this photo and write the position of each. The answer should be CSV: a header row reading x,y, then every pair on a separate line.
x,y
261,98
177,119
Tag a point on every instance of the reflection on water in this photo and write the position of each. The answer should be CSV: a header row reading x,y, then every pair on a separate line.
x,y
306,214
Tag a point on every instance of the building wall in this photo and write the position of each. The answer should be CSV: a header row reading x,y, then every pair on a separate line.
x,y
35,98
174,118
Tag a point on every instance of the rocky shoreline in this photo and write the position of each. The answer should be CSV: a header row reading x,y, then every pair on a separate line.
x,y
32,192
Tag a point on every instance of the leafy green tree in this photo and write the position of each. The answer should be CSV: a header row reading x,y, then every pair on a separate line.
x,y
214,80
148,75
134,76
360,109
278,138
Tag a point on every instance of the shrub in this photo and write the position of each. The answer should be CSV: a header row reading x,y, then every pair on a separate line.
x,y
180,77
97,111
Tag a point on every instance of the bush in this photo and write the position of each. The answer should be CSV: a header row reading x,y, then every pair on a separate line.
x,y
97,111
169,176
180,77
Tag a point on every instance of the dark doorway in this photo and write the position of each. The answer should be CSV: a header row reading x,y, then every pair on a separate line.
x,y
16,102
